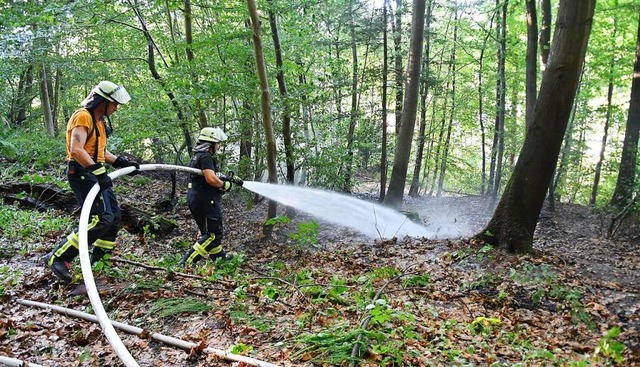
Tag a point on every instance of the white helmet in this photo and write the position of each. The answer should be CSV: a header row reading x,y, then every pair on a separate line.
x,y
212,134
112,92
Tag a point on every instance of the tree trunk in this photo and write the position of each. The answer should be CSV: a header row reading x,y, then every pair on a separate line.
x,y
397,49
202,117
532,60
452,72
514,220
23,97
483,136
497,150
266,112
353,115
282,87
385,74
545,31
625,185
605,134
403,147
45,102
415,182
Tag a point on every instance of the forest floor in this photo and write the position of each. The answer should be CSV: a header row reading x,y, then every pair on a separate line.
x,y
295,301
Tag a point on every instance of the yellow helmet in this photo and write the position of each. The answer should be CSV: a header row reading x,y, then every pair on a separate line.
x,y
212,134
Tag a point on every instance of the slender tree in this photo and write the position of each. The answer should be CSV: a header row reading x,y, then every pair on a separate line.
x,y
266,110
532,60
403,147
385,76
515,218
625,184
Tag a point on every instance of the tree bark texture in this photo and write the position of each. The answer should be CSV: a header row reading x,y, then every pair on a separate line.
x,y
545,31
385,75
515,218
45,102
282,88
424,82
266,110
532,60
397,48
403,148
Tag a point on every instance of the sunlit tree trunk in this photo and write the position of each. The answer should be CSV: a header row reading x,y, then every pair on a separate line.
x,y
515,218
607,124
45,101
452,73
266,112
483,134
497,150
403,149
353,114
625,185
385,77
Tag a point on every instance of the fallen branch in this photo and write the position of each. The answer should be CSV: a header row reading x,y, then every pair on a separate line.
x,y
179,343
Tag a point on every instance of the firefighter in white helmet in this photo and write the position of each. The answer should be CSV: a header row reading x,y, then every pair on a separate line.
x,y
205,196
87,133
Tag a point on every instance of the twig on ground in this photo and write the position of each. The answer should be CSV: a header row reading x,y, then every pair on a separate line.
x,y
169,271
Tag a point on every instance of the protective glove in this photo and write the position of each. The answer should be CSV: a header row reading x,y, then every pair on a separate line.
x,y
122,162
234,179
226,185
100,172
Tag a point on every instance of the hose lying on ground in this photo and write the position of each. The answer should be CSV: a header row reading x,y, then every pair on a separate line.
x,y
179,343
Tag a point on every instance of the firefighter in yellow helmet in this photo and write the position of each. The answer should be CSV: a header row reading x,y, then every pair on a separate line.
x,y
87,133
205,196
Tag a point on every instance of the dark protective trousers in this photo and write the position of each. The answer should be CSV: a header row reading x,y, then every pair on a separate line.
x,y
206,209
105,217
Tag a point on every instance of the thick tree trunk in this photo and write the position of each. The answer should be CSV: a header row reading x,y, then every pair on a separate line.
x,y
266,111
403,148
626,182
514,220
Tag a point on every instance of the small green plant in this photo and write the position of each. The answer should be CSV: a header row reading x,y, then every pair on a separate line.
x,y
307,234
277,220
610,347
417,281
241,349
484,325
165,307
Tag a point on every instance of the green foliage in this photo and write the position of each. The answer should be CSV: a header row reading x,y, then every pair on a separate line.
x,y
241,349
166,307
9,277
31,226
609,346
307,234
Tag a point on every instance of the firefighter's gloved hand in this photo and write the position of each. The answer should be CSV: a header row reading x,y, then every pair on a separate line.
x,y
226,186
122,162
100,172
237,181
234,179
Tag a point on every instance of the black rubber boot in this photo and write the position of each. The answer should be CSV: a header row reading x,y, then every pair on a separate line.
x,y
223,256
97,254
189,258
60,267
